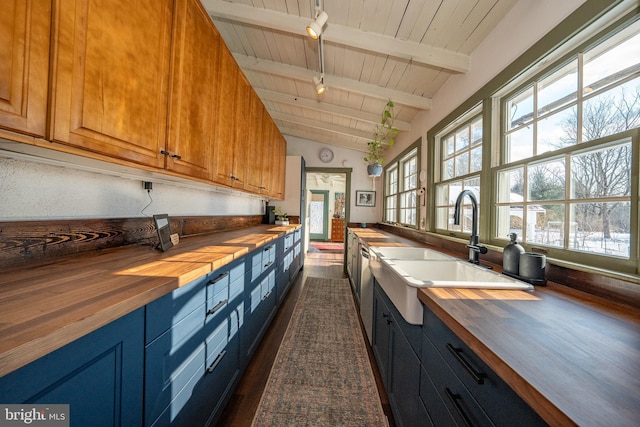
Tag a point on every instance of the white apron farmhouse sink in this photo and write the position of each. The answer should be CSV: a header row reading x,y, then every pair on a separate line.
x,y
401,278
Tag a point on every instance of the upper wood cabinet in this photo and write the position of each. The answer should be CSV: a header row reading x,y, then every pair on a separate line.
x,y
148,84
25,27
257,154
110,77
194,91
230,144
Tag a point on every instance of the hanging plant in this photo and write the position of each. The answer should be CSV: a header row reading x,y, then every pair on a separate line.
x,y
383,136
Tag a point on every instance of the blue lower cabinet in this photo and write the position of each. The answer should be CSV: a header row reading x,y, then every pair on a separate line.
x,y
98,375
470,382
193,366
260,309
398,363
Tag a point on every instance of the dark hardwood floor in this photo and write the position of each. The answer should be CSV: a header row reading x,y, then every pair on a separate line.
x,y
244,402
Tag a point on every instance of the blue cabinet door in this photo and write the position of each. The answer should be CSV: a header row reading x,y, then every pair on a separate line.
x,y
381,336
98,375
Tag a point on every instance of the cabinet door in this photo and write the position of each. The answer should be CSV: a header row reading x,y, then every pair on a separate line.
x,y
405,382
110,77
256,157
382,339
229,144
24,65
99,376
194,87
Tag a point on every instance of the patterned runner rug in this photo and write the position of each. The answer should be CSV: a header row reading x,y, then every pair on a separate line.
x,y
321,375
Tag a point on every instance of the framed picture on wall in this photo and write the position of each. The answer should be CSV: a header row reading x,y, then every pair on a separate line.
x,y
365,198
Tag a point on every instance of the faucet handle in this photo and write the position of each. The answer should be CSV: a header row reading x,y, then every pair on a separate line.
x,y
478,248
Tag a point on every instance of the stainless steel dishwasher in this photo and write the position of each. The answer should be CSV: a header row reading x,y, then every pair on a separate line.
x,y
366,292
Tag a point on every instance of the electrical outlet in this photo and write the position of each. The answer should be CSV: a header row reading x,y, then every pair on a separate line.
x,y
147,185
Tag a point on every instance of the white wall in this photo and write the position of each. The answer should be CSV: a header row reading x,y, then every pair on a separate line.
x,y
343,158
31,190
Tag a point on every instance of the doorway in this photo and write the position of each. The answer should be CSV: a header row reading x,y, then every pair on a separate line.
x,y
319,215
337,183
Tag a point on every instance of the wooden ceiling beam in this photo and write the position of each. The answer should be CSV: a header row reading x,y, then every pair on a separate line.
x,y
431,56
332,81
324,107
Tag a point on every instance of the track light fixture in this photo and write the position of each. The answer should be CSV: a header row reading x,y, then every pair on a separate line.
x,y
320,86
314,29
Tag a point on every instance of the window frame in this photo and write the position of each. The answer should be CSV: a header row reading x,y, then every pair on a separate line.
x,y
500,164
467,119
397,165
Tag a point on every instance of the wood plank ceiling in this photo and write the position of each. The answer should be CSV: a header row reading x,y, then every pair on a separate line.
x,y
374,50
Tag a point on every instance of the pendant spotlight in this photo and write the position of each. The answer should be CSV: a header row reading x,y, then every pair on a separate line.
x,y
314,29
320,86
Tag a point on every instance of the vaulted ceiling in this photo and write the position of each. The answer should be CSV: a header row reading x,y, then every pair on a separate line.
x,y
373,51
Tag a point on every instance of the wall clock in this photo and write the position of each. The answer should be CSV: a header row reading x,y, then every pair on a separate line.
x,y
326,155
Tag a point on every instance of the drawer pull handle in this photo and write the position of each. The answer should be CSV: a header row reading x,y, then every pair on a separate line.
x,y
266,296
267,265
217,307
219,278
217,361
478,377
453,397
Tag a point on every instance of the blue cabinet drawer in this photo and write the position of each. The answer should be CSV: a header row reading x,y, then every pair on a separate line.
x,y
496,397
236,287
218,283
170,309
288,242
441,389
171,363
225,285
215,344
202,403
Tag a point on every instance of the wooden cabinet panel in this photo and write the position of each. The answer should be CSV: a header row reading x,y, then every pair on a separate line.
x,y
257,155
193,90
227,149
110,77
24,65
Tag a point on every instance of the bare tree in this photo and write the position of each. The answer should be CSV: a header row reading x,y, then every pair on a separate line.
x,y
607,172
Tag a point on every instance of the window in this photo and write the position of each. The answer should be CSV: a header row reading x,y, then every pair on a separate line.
x,y
460,158
391,194
565,175
401,188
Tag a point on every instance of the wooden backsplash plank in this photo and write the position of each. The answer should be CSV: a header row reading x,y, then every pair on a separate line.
x,y
24,242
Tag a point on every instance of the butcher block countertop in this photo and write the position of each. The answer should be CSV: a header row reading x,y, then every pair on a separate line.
x,y
573,357
45,307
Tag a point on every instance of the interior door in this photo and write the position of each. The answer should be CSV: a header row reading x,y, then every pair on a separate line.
x,y
319,215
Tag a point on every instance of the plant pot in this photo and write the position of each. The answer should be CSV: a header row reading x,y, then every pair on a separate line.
x,y
278,222
374,169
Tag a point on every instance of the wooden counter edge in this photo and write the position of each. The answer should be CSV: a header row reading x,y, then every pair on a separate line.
x,y
534,398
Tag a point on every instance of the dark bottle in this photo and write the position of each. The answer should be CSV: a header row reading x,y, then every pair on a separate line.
x,y
511,255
